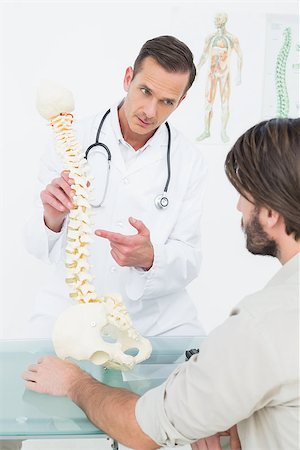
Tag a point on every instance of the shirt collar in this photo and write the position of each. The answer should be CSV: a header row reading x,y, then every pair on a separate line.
x,y
157,136
289,271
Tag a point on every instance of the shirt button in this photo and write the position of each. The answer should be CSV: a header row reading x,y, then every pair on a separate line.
x,y
120,224
113,269
125,181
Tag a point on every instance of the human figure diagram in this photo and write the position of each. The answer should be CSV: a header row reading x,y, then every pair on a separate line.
x,y
218,47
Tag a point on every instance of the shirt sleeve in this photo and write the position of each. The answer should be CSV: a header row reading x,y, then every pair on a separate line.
x,y
231,377
39,241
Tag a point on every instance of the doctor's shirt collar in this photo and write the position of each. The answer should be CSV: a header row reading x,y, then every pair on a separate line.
x,y
154,140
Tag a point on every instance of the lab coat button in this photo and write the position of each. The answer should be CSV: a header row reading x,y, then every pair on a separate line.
x,y
120,224
125,181
113,269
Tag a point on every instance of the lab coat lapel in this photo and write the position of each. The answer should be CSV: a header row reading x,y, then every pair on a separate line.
x,y
117,158
115,137
154,150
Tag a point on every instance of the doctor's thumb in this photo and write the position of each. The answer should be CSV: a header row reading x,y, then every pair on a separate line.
x,y
139,226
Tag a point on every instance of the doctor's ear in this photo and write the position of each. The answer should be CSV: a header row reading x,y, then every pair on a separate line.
x,y
128,78
182,98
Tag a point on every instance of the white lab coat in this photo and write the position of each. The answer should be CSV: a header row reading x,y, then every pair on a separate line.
x,y
157,300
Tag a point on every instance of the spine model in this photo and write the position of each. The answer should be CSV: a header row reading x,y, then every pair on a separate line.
x,y
78,330
79,231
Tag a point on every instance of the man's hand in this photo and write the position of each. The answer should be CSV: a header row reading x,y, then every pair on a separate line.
x,y
53,376
131,251
213,442
110,409
57,201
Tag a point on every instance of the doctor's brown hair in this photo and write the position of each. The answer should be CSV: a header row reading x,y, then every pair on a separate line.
x,y
265,163
170,53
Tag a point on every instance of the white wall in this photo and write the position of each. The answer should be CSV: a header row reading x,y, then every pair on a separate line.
x,y
87,46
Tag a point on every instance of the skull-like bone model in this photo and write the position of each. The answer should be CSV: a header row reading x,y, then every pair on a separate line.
x,y
95,328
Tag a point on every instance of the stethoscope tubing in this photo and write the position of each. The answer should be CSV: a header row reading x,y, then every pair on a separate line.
x,y
97,143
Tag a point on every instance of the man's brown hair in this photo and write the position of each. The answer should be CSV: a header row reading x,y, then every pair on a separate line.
x,y
265,163
169,52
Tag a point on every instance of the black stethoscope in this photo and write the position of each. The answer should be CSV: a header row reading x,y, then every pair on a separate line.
x,y
161,201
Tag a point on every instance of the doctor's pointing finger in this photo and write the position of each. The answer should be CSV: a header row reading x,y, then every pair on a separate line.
x,y
131,250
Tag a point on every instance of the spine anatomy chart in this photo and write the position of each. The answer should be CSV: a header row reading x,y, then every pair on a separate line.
x,y
281,87
97,328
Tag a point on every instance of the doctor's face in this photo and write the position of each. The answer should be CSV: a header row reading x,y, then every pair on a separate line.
x,y
152,95
258,241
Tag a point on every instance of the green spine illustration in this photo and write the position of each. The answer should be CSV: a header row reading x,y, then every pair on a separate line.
x,y
281,88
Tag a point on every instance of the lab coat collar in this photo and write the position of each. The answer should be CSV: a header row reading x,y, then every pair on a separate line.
x,y
115,121
154,149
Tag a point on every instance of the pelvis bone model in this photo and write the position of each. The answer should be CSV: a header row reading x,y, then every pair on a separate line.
x,y
97,328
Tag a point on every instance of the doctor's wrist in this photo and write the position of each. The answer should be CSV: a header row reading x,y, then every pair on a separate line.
x,y
149,264
54,225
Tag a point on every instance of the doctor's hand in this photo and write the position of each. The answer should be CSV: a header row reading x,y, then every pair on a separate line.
x,y
213,442
57,201
131,251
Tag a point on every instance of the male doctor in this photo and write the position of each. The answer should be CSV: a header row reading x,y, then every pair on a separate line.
x,y
143,250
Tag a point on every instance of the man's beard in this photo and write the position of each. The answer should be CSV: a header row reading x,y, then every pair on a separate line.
x,y
257,240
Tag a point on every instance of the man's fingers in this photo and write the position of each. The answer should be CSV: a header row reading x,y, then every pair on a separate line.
x,y
208,443
123,239
235,443
139,226
117,258
33,368
117,238
70,181
213,442
116,248
31,385
49,199
65,176
64,185
28,375
58,194
199,445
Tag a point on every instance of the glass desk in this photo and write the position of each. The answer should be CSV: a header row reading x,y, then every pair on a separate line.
x,y
25,414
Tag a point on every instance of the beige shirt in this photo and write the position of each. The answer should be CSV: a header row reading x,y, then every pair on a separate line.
x,y
247,373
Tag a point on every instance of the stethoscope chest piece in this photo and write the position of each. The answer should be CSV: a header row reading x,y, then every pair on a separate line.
x,y
161,201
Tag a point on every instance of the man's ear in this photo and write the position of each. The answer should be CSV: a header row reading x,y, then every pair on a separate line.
x,y
127,78
182,98
269,217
